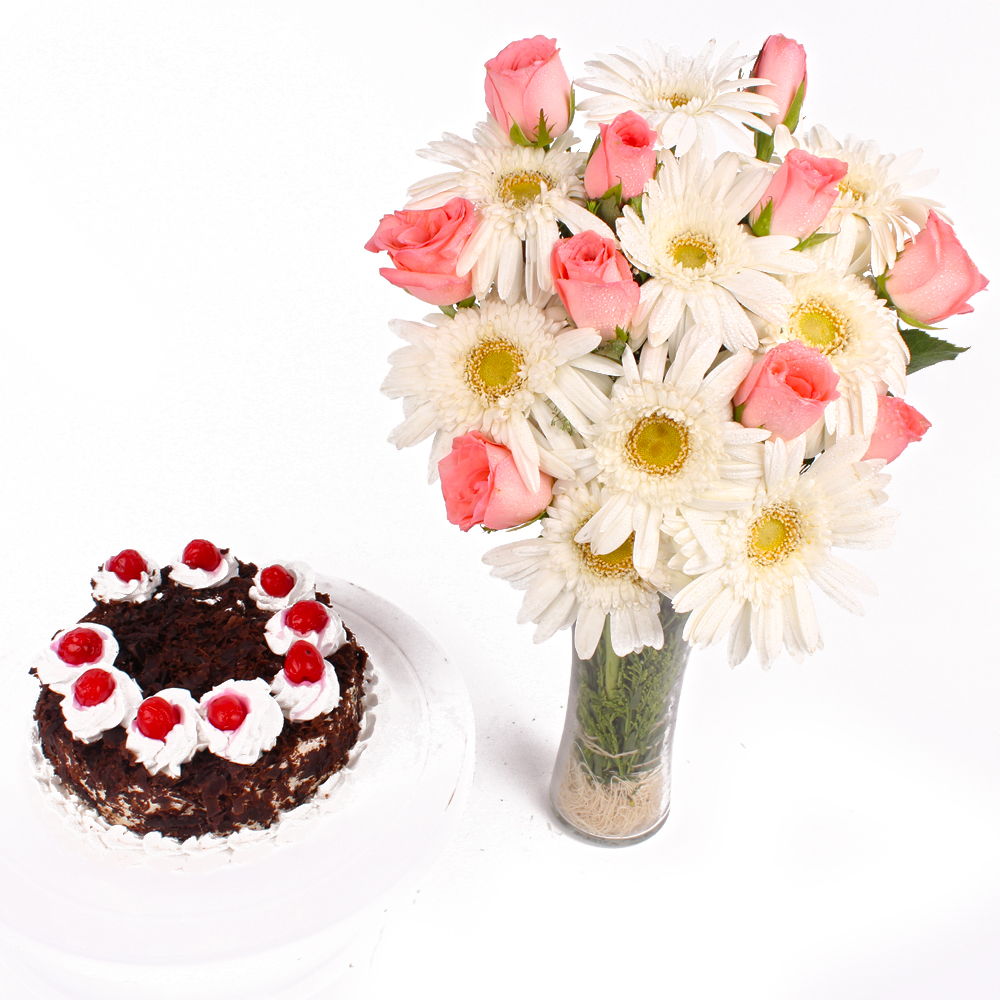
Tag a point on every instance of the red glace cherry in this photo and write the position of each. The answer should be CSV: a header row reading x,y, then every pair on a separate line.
x,y
79,646
156,717
93,687
277,581
307,616
303,663
128,565
201,554
227,712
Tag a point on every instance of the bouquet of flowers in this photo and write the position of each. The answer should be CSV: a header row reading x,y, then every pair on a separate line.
x,y
681,358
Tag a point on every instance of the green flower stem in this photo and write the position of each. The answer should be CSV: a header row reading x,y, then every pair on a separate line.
x,y
626,704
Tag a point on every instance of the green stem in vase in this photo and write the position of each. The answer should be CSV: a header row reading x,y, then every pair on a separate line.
x,y
622,706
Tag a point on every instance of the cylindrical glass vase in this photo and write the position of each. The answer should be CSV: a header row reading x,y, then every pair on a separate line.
x,y
612,776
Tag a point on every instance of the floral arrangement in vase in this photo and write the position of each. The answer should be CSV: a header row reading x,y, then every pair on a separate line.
x,y
680,361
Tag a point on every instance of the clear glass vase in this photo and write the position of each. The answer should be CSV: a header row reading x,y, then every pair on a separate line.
x,y
612,776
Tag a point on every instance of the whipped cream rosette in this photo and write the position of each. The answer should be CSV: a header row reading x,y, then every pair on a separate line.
x,y
240,720
204,565
98,700
309,620
280,586
73,651
129,576
307,685
166,732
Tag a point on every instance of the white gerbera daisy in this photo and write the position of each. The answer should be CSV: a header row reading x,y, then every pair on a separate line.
x,y
753,567
496,369
874,211
700,260
840,315
521,195
665,443
689,100
567,582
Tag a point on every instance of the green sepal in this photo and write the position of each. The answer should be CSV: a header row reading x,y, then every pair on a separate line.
x,y
882,291
813,241
613,349
608,208
448,311
635,203
761,226
466,303
542,140
791,121
738,412
572,106
926,350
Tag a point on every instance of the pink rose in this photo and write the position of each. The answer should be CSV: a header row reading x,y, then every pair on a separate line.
x,y
934,277
481,485
787,390
424,244
624,155
526,80
897,425
783,62
802,191
595,283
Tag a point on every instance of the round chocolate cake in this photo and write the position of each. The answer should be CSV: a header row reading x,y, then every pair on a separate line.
x,y
206,699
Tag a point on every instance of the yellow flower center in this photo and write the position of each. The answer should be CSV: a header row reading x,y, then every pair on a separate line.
x,y
852,190
819,325
658,445
494,368
522,186
774,535
692,251
677,100
617,564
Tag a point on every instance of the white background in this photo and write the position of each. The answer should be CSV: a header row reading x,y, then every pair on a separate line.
x,y
193,342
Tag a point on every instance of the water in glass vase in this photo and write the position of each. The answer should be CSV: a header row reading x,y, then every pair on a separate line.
x,y
612,777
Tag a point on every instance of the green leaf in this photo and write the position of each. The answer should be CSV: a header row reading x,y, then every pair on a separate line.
x,y
764,143
761,226
926,350
813,241
795,108
608,207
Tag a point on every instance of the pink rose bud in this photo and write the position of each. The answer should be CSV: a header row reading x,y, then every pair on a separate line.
x,y
481,485
802,191
625,156
595,283
897,425
783,62
787,390
934,277
526,80
424,244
